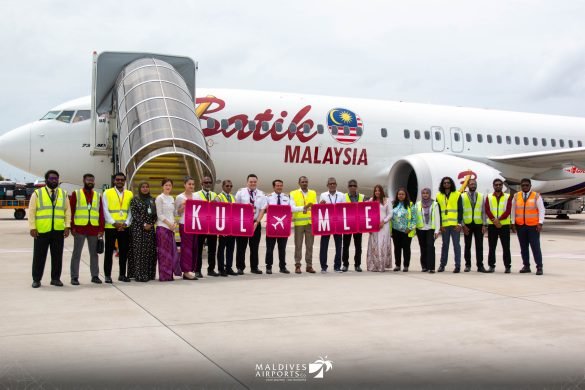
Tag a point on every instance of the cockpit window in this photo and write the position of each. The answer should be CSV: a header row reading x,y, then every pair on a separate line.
x,y
81,115
65,116
50,115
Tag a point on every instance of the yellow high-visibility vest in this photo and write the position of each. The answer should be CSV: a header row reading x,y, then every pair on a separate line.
x,y
472,214
212,195
419,215
50,216
118,207
498,208
360,198
448,208
225,199
85,213
300,218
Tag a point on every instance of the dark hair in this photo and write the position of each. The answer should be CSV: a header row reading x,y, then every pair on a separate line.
x,y
165,181
49,172
352,181
526,180
88,175
303,177
406,198
187,178
120,174
223,183
382,193
251,175
442,190
276,181
497,180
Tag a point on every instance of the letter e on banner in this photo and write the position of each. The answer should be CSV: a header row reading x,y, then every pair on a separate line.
x,y
197,217
278,220
322,219
220,215
242,220
368,217
346,218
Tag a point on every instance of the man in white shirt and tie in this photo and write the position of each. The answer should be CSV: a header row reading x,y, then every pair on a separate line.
x,y
332,196
253,196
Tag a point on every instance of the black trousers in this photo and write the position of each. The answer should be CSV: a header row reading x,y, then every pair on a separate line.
x,y
241,245
53,240
211,247
401,243
357,243
475,234
323,247
225,253
426,242
529,237
123,238
270,243
503,234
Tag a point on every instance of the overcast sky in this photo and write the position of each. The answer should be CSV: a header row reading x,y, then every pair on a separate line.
x,y
513,55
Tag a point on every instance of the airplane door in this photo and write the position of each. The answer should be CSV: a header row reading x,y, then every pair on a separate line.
x,y
438,138
456,140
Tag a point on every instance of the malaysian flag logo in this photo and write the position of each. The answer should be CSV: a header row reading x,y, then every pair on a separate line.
x,y
344,125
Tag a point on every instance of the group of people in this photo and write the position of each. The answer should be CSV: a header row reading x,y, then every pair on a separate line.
x,y
144,229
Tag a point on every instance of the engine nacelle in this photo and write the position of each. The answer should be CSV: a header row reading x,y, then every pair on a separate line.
x,y
418,171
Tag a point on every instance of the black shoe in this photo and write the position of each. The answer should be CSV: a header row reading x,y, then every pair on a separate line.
x,y
405,269
441,268
74,282
284,271
358,268
57,283
525,270
396,269
467,269
508,270
231,273
268,271
538,271
185,277
198,275
256,271
212,273
240,271
432,271
96,280
424,270
123,279
36,284
223,273
109,279
482,270
456,270
491,270
344,269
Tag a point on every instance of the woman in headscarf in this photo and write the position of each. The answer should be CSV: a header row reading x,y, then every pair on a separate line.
x,y
428,227
379,255
166,246
142,259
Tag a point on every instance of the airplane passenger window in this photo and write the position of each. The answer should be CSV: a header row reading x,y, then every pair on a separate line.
x,y
489,138
570,143
252,125
334,130
517,140
239,124
467,137
292,128
384,132
320,129
210,123
535,141
65,116
265,126
406,133
359,131
508,139
50,115
417,134
562,143
345,130
544,142
456,136
526,141
579,143
553,142
306,128
499,139
438,135
278,126
81,115
224,124
427,135
479,138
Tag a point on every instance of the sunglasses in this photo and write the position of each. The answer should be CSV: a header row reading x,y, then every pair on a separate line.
x,y
332,184
352,185
206,182
228,186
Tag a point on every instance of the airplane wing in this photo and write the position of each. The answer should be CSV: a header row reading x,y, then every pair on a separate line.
x,y
545,159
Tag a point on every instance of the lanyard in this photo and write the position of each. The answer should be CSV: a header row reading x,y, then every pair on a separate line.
x,y
52,197
330,201
447,203
121,201
251,197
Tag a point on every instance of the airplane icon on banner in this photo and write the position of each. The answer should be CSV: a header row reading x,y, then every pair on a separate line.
x,y
279,221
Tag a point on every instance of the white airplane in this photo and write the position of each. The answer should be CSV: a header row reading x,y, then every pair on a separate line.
x,y
284,135
279,221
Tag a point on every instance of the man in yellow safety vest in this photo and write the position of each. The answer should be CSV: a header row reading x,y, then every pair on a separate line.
x,y
301,201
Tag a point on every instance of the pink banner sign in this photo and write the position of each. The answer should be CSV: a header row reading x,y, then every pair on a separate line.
x,y
278,221
345,218
228,219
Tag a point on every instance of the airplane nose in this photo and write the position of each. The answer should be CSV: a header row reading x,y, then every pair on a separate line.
x,y
15,147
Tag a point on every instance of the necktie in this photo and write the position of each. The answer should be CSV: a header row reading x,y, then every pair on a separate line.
x,y
525,196
53,197
251,197
278,199
206,195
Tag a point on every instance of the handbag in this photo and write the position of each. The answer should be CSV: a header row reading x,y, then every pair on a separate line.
x,y
100,246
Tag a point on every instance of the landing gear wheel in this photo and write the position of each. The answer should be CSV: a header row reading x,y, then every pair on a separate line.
x,y
19,214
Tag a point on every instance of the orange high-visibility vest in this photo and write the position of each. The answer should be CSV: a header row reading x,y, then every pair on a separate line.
x,y
526,212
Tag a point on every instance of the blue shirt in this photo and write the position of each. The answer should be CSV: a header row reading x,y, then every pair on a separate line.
x,y
400,219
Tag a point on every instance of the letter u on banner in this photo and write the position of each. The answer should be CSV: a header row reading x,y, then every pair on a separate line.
x,y
323,219
278,220
220,214
368,217
197,217
242,220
